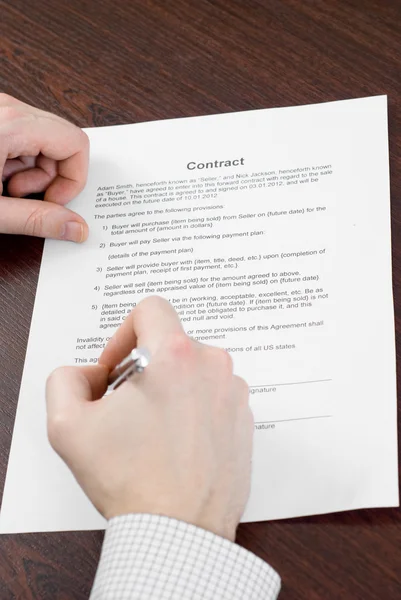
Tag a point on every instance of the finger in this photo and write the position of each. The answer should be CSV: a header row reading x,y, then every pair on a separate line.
x,y
15,165
34,134
97,376
71,178
149,324
68,390
41,219
69,387
32,181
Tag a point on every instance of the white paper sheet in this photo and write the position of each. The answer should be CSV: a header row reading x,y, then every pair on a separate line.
x,y
300,293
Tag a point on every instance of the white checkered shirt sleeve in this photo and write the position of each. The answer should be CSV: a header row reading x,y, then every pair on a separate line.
x,y
150,556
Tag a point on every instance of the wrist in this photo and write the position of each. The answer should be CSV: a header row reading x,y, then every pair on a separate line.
x,y
219,526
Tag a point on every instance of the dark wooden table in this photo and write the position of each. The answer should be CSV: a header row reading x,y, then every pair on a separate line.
x,y
119,61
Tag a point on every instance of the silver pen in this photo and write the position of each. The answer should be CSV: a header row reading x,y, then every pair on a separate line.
x,y
136,361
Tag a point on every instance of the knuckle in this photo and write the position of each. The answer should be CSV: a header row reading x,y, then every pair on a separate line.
x,y
6,99
180,346
58,373
52,378
56,379
242,388
57,425
221,359
58,420
85,139
9,113
82,139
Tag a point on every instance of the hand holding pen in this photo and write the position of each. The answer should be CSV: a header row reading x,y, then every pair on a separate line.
x,y
174,438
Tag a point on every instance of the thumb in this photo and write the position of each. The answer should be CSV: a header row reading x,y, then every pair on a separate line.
x,y
41,219
68,390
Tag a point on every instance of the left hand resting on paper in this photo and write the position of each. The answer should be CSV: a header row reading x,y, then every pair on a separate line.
x,y
40,153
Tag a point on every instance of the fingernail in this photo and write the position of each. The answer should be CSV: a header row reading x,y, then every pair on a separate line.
x,y
72,231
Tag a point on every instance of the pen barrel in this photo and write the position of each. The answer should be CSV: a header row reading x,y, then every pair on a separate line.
x,y
122,369
135,362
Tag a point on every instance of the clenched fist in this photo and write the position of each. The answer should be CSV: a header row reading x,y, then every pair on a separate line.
x,y
40,152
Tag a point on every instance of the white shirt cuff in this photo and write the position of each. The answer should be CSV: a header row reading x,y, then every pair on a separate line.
x,y
150,556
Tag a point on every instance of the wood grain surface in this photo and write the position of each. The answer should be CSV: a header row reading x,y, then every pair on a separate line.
x,y
119,61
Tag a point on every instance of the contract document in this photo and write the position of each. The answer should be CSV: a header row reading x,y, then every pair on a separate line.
x,y
269,232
